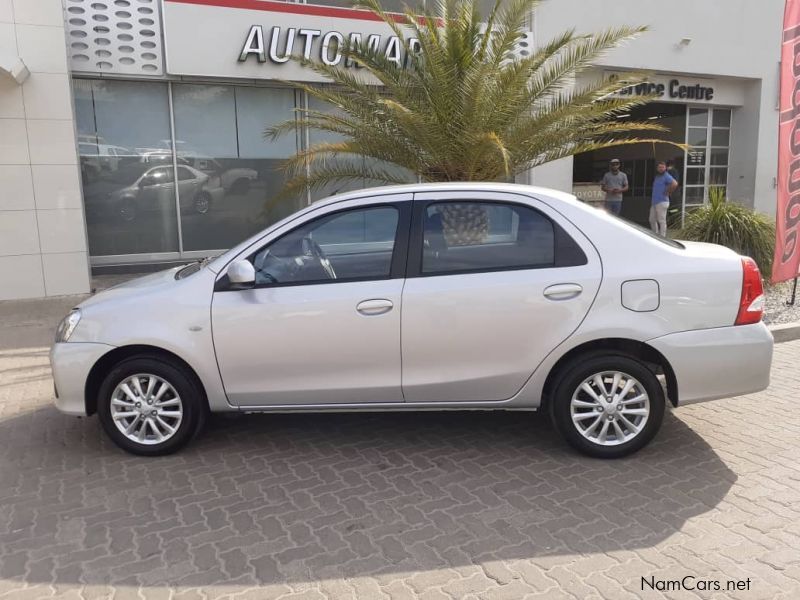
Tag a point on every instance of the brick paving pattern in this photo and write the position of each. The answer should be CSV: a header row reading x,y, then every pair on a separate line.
x,y
432,505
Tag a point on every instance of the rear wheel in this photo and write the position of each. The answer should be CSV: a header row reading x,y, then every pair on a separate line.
x,y
608,406
202,203
150,406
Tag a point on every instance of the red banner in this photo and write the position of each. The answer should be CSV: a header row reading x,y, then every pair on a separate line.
x,y
787,244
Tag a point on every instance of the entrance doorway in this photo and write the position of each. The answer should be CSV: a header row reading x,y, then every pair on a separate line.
x,y
706,130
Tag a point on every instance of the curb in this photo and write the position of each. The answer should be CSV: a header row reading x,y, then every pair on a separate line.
x,y
785,332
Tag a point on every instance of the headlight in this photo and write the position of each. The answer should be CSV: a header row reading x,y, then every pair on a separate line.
x,y
67,325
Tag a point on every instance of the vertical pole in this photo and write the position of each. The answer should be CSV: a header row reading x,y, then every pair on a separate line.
x,y
685,161
791,300
175,166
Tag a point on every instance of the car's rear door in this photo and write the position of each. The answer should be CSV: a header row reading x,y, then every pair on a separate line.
x,y
302,336
495,281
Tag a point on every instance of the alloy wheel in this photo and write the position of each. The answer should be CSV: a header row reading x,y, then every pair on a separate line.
x,y
202,203
146,409
610,408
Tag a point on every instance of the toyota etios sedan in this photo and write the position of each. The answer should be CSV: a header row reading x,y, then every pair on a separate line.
x,y
435,296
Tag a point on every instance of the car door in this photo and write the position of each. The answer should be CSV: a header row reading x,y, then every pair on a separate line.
x,y
157,189
322,324
188,185
493,285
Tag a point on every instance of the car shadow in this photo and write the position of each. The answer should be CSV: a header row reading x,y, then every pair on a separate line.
x,y
266,499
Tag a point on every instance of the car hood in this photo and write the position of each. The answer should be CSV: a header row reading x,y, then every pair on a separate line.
x,y
133,287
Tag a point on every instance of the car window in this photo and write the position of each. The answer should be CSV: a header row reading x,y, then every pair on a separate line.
x,y
184,174
158,176
479,236
345,246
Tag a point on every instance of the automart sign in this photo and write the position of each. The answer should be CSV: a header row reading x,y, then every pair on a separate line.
x,y
255,39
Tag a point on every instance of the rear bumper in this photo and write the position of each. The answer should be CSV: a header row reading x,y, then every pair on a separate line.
x,y
71,363
718,363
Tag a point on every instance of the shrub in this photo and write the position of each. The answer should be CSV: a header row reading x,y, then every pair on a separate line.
x,y
730,224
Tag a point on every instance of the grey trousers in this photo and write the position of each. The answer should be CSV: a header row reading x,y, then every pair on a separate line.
x,y
658,218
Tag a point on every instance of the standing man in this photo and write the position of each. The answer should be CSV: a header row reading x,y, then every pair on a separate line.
x,y
615,183
673,172
663,185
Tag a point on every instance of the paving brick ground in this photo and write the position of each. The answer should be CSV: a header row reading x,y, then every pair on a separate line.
x,y
433,506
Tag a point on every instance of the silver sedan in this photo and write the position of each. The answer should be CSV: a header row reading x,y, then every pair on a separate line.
x,y
433,296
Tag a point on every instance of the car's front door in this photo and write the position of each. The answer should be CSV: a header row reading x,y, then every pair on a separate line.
x,y
157,189
493,286
322,324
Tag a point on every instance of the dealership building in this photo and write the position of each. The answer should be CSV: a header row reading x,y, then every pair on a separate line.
x,y
131,131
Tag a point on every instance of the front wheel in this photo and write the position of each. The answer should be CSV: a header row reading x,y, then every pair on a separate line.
x,y
150,406
608,406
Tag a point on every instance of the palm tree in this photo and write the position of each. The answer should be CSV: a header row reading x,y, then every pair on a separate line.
x,y
466,107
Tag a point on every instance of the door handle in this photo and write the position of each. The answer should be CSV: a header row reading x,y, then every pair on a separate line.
x,y
563,291
375,306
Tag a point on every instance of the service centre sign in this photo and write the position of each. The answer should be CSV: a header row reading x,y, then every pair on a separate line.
x,y
685,89
254,39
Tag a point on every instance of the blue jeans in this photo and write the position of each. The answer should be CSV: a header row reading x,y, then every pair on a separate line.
x,y
614,206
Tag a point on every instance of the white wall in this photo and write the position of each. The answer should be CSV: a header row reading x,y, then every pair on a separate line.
x,y
42,231
731,39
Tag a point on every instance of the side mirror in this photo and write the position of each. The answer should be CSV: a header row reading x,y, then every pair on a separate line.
x,y
242,275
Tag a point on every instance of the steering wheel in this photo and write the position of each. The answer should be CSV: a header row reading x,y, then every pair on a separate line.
x,y
317,252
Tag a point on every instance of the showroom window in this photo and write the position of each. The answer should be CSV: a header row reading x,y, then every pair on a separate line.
x,y
228,175
219,133
121,127
227,171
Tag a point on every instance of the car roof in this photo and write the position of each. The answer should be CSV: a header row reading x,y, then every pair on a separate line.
x,y
482,186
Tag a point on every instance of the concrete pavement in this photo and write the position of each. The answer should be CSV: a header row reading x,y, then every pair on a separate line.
x,y
433,505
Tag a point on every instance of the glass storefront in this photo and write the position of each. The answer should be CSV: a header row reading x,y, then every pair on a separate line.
x,y
219,133
136,139
128,183
705,129
225,170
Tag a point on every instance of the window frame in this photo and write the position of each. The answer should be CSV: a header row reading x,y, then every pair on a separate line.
x,y
397,265
416,240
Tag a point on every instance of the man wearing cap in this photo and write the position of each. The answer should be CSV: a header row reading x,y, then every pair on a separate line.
x,y
615,183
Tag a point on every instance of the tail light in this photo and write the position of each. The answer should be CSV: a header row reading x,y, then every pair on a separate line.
x,y
751,306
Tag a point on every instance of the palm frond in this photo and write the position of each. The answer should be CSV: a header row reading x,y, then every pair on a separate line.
x,y
465,105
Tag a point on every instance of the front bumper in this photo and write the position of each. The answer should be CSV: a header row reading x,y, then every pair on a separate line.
x,y
71,363
718,363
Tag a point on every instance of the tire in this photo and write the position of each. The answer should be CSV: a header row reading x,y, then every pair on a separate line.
x,y
202,203
638,419
113,402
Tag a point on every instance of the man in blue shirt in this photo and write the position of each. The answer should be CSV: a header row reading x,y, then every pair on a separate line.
x,y
663,185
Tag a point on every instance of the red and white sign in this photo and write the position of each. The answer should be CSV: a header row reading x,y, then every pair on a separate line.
x,y
787,244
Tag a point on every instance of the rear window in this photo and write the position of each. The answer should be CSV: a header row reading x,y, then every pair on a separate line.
x,y
649,232
473,236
